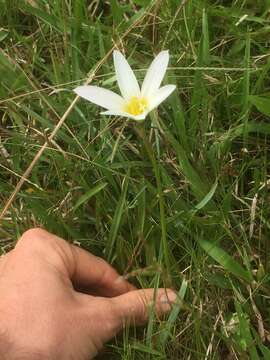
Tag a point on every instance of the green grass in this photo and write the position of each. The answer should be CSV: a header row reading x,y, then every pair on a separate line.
x,y
186,207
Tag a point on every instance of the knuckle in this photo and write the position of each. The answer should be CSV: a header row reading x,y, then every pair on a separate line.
x,y
31,237
116,318
106,317
30,234
142,310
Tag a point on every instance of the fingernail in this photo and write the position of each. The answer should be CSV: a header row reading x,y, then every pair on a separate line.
x,y
167,300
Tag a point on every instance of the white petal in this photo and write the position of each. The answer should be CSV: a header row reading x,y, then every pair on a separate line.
x,y
140,117
115,113
100,96
125,114
160,96
126,79
155,74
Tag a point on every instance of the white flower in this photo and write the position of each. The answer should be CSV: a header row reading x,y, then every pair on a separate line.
x,y
135,103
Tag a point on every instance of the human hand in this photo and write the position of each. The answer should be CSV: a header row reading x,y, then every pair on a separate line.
x,y
42,316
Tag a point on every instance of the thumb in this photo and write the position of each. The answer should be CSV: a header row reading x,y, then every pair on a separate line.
x,y
134,306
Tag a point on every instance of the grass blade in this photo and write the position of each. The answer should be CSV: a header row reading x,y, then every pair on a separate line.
x,y
89,194
225,260
166,332
117,219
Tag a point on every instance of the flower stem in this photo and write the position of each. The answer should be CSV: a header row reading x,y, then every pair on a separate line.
x,y
164,251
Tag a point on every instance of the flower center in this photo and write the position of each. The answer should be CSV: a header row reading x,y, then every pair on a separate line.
x,y
136,105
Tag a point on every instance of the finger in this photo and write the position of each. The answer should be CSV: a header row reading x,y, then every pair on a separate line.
x,y
135,306
94,272
109,316
84,269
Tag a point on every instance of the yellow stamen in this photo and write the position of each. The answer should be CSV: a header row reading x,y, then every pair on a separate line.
x,y
136,105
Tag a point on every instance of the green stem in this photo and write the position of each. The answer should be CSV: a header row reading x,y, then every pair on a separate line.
x,y
164,244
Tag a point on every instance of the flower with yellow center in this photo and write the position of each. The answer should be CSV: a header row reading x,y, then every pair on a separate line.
x,y
135,102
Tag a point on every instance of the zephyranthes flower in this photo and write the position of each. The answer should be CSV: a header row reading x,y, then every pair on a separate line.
x,y
135,103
